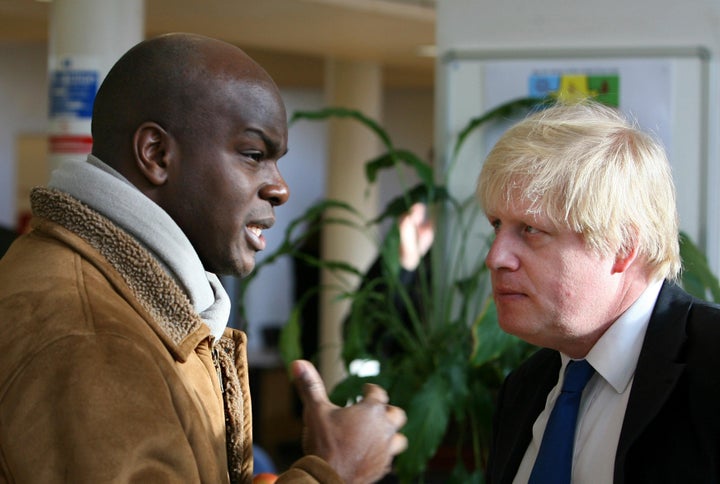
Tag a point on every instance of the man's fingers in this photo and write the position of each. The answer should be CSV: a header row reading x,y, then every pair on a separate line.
x,y
417,212
398,444
308,382
375,393
396,415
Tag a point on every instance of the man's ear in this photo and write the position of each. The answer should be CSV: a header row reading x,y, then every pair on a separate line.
x,y
624,258
153,149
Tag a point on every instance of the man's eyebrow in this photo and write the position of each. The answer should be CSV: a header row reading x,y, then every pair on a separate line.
x,y
272,145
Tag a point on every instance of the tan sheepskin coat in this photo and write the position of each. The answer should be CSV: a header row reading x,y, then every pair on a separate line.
x,y
107,374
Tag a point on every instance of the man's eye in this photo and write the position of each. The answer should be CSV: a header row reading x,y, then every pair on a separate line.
x,y
531,230
495,224
253,155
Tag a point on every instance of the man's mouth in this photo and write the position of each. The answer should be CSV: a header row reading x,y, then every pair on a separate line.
x,y
506,291
255,236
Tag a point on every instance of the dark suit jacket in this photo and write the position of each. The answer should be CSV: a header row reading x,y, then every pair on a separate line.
x,y
671,430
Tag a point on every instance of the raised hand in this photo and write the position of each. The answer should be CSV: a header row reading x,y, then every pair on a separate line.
x,y
358,441
416,236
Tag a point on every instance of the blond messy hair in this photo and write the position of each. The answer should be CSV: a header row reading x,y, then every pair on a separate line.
x,y
589,169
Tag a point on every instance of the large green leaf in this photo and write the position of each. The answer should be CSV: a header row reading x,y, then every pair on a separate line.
x,y
428,415
289,343
489,341
391,159
338,112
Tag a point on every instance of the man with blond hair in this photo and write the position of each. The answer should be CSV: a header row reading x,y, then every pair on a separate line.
x,y
583,265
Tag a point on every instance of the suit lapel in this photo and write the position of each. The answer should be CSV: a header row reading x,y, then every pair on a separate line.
x,y
524,402
658,368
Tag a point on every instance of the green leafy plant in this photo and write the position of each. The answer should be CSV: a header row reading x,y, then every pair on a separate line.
x,y
442,355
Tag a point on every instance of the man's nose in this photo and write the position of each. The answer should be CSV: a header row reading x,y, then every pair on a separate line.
x,y
276,192
501,254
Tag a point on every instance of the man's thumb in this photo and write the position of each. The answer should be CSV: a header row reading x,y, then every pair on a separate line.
x,y
308,382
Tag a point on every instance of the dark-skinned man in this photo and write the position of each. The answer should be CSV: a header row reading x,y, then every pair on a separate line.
x,y
115,362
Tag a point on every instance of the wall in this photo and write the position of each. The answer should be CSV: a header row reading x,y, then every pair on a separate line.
x,y
560,24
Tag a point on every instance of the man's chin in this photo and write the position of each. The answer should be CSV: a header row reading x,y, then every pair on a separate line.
x,y
245,267
243,273
241,267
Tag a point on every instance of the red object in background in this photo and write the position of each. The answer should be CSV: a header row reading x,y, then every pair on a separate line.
x,y
264,478
70,144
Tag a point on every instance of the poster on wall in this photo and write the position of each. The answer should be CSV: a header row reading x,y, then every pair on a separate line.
x,y
574,86
642,88
73,83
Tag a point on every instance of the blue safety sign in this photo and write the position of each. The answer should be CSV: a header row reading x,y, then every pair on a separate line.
x,y
72,93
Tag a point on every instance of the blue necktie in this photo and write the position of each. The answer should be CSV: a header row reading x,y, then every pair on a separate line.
x,y
554,460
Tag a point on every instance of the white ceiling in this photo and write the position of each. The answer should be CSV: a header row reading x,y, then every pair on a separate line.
x,y
289,37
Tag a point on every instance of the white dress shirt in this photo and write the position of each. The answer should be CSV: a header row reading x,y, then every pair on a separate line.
x,y
604,400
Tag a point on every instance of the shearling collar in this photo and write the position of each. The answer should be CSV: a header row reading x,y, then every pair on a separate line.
x,y
179,324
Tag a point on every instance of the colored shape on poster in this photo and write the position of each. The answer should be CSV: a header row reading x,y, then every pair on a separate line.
x,y
542,85
605,89
573,87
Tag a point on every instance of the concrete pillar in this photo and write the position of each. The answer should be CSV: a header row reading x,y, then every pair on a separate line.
x,y
86,37
356,85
